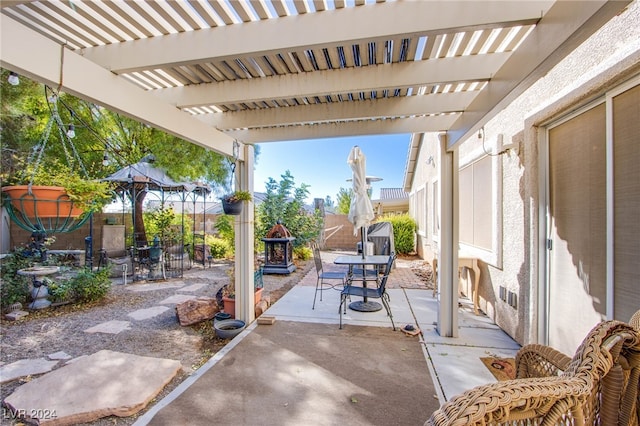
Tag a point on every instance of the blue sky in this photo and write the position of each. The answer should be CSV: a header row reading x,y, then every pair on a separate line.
x,y
322,163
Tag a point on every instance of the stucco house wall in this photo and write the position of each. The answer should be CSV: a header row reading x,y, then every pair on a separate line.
x,y
610,57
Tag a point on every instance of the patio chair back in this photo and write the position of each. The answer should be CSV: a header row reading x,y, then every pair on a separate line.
x,y
379,292
340,278
589,391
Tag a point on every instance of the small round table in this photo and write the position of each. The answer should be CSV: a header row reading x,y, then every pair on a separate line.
x,y
39,292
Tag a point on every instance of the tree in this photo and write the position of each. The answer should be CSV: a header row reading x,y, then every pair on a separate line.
x,y
105,140
285,202
344,200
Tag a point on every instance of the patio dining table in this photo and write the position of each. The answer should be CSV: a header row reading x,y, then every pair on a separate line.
x,y
352,261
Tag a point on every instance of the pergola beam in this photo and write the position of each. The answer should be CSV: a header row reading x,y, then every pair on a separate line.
x,y
334,82
345,129
330,28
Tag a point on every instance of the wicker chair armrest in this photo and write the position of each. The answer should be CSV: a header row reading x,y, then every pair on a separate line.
x,y
535,399
540,361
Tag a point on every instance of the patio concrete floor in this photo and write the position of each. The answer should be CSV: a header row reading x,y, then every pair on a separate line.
x,y
454,363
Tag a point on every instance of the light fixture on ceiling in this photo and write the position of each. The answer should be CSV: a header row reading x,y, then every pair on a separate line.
x,y
13,79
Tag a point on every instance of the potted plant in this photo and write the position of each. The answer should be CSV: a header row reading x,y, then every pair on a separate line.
x,y
229,290
232,203
55,191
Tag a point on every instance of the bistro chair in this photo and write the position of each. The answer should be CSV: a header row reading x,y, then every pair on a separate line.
x,y
379,292
323,276
370,274
597,386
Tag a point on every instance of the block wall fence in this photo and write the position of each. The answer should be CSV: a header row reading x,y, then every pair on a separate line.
x,y
338,232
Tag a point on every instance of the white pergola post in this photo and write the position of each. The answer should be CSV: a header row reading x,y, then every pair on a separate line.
x,y
244,241
448,262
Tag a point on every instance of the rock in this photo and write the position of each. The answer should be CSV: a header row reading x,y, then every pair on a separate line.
x,y
16,315
103,384
196,310
261,306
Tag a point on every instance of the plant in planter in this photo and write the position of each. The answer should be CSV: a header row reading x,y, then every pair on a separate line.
x,y
55,190
228,292
232,203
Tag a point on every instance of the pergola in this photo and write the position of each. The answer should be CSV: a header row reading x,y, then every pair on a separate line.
x,y
254,71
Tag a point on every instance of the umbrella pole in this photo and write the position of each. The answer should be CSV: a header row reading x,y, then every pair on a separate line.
x,y
363,238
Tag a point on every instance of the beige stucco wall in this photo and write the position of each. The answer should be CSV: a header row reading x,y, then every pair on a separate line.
x,y
608,58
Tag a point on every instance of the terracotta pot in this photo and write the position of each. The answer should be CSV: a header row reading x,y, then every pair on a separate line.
x,y
230,303
42,202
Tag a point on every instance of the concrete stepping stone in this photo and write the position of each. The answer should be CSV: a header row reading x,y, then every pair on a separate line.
x,y
192,287
60,355
25,367
110,327
142,314
99,385
177,298
155,286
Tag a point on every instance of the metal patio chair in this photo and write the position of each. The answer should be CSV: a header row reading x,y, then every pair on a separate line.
x,y
323,276
379,292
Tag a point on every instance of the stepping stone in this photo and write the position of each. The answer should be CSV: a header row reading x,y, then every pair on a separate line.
x,y
110,327
155,286
16,315
103,384
192,287
25,367
147,313
60,355
177,298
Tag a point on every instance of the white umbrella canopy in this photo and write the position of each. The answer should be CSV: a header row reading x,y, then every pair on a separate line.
x,y
360,210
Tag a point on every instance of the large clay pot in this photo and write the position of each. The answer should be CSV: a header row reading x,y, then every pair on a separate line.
x,y
42,201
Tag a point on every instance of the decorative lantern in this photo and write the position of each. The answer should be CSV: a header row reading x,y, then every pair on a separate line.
x,y
278,251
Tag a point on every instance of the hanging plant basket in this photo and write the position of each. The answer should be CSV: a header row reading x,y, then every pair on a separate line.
x,y
232,207
41,201
44,208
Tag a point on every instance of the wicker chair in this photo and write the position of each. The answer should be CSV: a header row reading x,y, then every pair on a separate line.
x,y
598,386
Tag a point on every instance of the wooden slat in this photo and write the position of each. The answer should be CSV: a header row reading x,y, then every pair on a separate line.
x,y
63,9
214,72
157,6
128,17
240,11
522,31
319,5
219,10
260,10
65,32
300,7
125,30
278,5
429,47
179,8
148,17
446,45
481,41
203,13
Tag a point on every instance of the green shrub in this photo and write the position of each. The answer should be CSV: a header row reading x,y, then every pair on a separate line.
x,y
404,230
302,253
219,248
85,286
14,288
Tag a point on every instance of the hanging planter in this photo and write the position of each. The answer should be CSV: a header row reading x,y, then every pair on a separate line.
x,y
41,201
232,203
